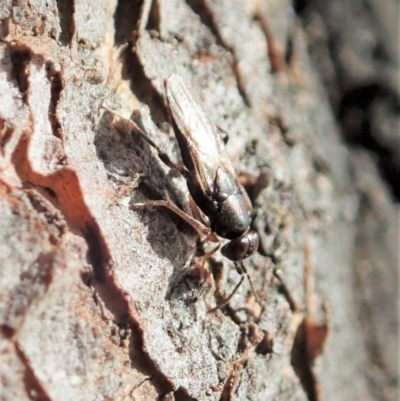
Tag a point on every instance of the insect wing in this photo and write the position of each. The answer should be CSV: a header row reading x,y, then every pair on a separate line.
x,y
201,146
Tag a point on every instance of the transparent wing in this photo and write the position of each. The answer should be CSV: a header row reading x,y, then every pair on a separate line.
x,y
201,147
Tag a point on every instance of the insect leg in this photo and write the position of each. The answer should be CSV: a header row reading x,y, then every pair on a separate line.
x,y
197,225
208,254
195,210
199,217
227,300
145,11
241,269
161,153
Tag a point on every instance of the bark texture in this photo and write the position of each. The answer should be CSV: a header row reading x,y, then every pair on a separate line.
x,y
100,300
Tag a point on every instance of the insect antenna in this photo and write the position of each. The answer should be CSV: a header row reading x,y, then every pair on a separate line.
x,y
241,269
227,300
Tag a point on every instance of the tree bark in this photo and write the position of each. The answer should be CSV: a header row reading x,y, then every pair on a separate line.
x,y
102,300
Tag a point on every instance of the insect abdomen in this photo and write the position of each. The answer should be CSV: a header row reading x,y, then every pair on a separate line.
x,y
231,217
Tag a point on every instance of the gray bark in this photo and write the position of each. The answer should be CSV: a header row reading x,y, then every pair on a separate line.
x,y
101,300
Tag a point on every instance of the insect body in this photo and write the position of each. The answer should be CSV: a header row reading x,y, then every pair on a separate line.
x,y
210,177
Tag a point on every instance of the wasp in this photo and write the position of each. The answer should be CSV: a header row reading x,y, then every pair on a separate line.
x,y
210,178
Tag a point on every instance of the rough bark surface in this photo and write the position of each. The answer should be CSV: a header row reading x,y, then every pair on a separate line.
x,y
101,300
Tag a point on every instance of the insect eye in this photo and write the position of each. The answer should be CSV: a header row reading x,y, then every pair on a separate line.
x,y
241,248
254,242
